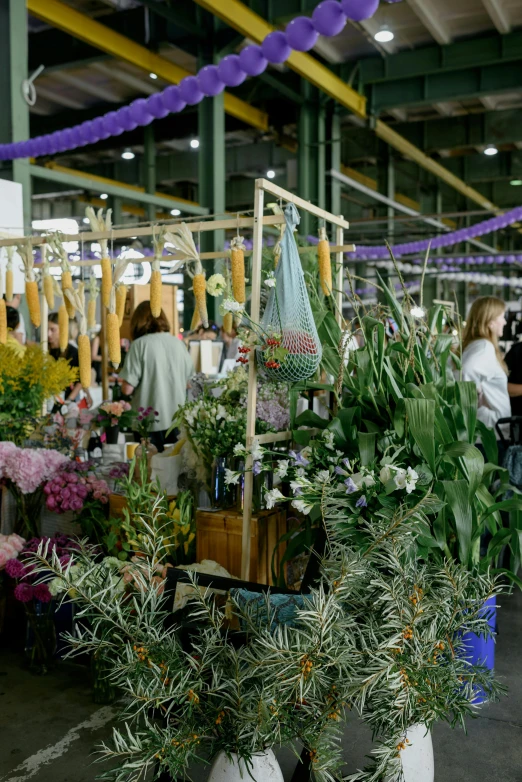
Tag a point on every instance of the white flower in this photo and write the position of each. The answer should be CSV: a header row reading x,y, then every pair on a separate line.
x,y
410,486
323,476
368,481
296,486
222,413
400,478
239,449
272,497
257,451
300,472
357,478
282,468
270,281
328,438
216,285
412,475
302,506
231,477
229,305
385,474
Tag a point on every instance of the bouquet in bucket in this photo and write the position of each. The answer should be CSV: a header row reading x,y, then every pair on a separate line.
x,y
115,414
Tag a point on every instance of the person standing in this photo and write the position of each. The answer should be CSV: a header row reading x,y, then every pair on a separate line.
x,y
156,371
482,360
70,354
14,337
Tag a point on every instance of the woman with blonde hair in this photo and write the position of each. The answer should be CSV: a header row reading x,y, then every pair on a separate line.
x,y
482,360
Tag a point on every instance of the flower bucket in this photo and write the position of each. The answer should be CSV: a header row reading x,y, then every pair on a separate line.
x,y
263,767
417,760
111,435
479,650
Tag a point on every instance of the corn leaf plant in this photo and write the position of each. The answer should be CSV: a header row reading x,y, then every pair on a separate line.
x,y
405,392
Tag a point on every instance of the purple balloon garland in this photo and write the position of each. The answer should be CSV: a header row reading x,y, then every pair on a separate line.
x,y
328,18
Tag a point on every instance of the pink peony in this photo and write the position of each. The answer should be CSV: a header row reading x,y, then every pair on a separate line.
x,y
16,541
15,569
24,592
26,468
41,593
9,550
4,559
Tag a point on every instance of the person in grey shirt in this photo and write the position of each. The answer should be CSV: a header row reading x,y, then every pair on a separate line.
x,y
156,371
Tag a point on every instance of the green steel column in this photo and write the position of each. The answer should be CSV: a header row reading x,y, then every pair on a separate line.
x,y
311,156
117,218
149,167
321,158
14,117
390,192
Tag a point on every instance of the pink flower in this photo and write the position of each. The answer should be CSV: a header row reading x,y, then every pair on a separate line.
x,y
26,468
6,449
16,541
41,593
4,559
24,592
15,569
9,550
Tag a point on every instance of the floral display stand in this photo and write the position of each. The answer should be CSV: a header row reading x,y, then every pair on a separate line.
x,y
263,186
219,538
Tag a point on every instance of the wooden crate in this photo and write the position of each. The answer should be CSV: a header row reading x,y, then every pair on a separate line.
x,y
219,535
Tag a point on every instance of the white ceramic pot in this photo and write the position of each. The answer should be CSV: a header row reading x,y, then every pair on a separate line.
x,y
417,759
264,768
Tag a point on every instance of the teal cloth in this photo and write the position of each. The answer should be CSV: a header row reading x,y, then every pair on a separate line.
x,y
283,608
159,367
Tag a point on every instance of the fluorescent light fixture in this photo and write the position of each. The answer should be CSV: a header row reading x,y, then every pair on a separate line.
x,y
104,196
175,212
271,174
194,143
384,35
153,76
516,182
128,154
491,150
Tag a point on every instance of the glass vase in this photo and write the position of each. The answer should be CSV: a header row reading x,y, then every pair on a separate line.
x,y
218,487
263,481
145,451
103,690
40,641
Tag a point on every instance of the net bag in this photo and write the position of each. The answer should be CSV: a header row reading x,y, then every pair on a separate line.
x,y
287,320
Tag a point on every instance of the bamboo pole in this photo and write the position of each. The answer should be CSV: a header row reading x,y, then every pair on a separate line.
x,y
104,352
339,240
175,317
252,381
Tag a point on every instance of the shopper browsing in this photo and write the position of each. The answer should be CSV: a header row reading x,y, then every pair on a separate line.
x,y
157,370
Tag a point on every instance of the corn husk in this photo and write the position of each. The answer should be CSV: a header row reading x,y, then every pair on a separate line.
x,y
25,250
237,264
100,223
325,265
9,277
155,279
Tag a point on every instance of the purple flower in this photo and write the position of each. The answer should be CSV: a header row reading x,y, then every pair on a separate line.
x,y
361,502
24,593
15,568
350,486
299,459
343,470
41,593
256,468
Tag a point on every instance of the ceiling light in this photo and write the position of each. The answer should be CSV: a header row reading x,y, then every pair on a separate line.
x,y
175,212
384,35
153,76
86,220
516,182
128,154
194,143
491,150
104,196
271,174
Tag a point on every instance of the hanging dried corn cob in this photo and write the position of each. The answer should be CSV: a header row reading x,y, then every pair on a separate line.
x,y
25,251
3,312
228,322
155,280
47,283
325,266
63,318
77,297
9,274
196,320
113,326
228,319
91,307
98,223
59,252
121,298
181,238
237,264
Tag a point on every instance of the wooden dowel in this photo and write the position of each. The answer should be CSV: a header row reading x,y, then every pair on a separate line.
x,y
104,352
279,192
175,311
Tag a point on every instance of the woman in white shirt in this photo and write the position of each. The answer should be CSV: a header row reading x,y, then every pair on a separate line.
x,y
482,360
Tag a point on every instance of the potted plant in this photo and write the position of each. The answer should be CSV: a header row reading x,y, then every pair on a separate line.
x,y
114,416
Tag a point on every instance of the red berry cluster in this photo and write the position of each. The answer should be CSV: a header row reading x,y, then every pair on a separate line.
x,y
244,349
241,360
272,343
272,364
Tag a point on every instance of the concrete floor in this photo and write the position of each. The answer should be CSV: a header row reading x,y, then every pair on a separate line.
x,y
49,727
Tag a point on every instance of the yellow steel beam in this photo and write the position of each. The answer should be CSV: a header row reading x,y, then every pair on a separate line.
x,y
80,26
254,27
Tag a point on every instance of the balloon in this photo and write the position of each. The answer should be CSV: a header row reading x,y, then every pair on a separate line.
x,y
52,146
156,107
100,127
173,100
329,18
125,119
252,60
358,10
140,113
301,34
275,47
190,90
209,81
230,71
113,121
